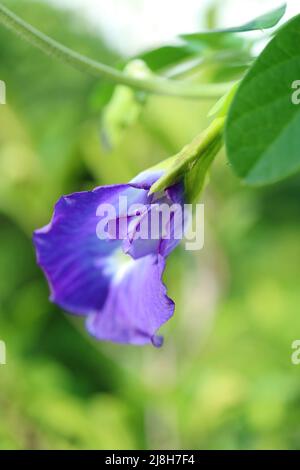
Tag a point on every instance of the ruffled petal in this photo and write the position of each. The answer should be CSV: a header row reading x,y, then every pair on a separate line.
x,y
146,179
137,304
125,303
75,261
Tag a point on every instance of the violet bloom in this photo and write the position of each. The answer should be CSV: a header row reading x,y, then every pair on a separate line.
x,y
116,283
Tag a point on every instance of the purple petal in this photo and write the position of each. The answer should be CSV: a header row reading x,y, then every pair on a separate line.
x,y
125,303
159,229
137,304
146,179
75,261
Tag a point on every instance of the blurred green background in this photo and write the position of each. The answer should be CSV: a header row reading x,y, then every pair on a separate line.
x,y
224,378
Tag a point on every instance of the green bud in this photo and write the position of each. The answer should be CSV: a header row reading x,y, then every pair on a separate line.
x,y
124,107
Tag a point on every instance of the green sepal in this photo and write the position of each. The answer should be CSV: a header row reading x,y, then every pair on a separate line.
x,y
192,162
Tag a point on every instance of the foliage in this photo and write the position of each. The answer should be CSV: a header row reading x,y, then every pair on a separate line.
x,y
263,121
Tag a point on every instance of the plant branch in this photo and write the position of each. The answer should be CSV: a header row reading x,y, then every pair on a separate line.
x,y
160,86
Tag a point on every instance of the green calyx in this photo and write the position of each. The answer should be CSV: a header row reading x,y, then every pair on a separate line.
x,y
192,162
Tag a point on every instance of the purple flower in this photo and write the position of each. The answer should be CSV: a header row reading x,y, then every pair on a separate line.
x,y
117,281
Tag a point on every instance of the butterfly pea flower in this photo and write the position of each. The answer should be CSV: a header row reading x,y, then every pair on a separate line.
x,y
109,267
114,280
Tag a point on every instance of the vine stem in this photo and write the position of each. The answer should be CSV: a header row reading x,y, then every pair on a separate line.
x,y
160,86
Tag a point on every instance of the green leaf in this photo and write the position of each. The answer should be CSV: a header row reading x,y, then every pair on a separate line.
x,y
214,40
221,39
166,56
266,21
262,131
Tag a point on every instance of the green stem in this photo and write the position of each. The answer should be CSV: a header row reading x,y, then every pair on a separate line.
x,y
179,164
53,48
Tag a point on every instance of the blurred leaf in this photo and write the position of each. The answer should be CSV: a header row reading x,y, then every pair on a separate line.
x,y
217,36
223,39
215,40
165,56
101,94
266,21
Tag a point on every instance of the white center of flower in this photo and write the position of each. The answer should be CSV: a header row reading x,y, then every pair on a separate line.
x,y
118,265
